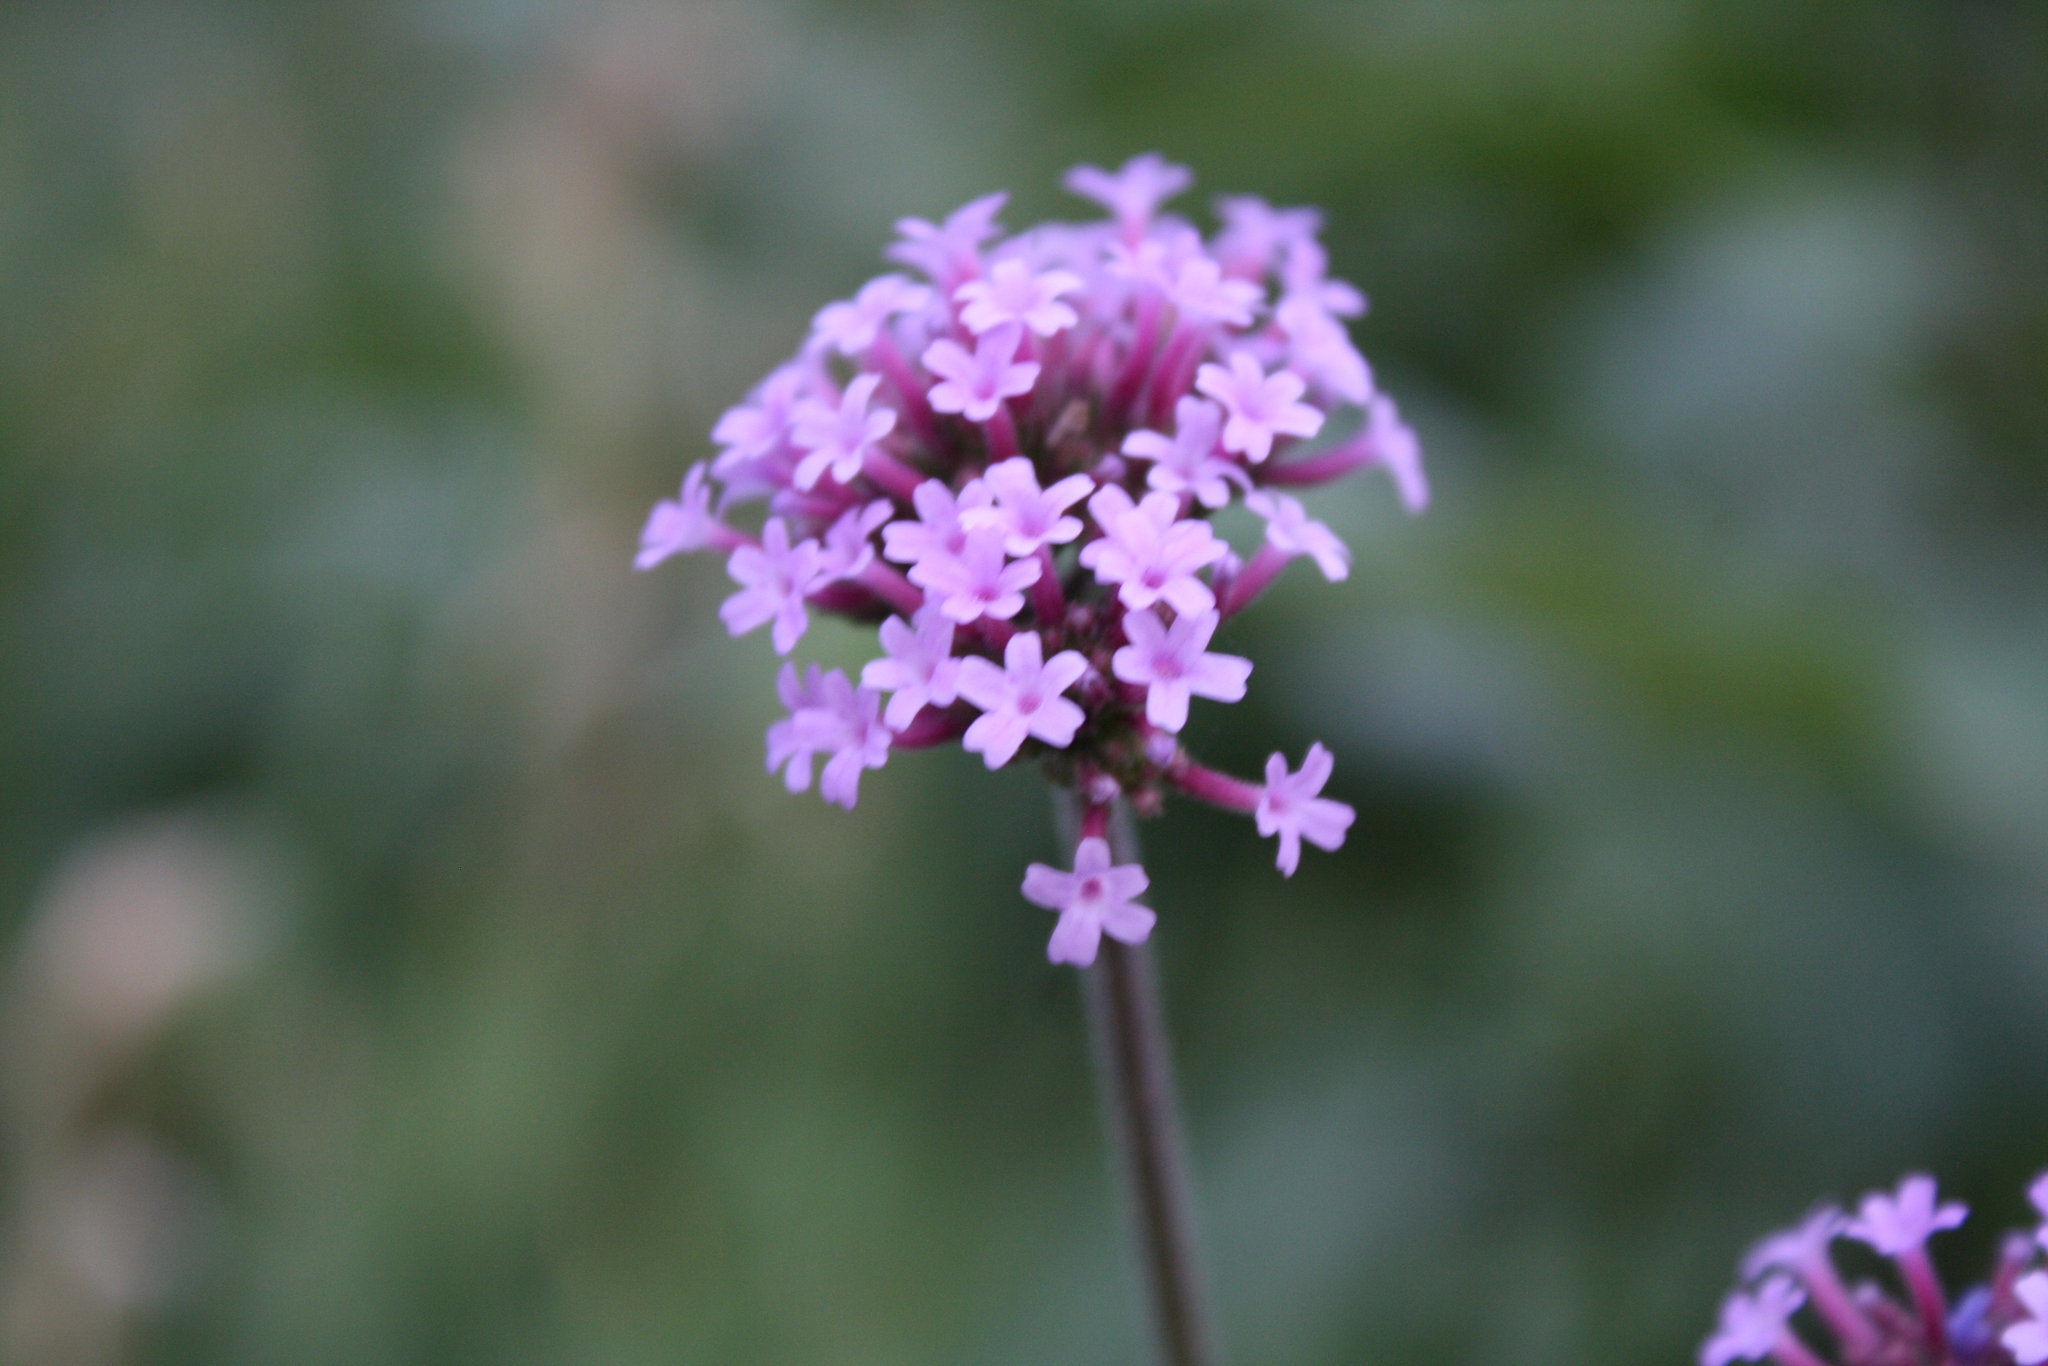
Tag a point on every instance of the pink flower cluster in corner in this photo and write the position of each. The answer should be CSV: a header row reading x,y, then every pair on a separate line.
x,y
2001,1323
1008,468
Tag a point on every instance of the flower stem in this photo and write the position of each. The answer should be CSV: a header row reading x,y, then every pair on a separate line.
x,y
1134,1076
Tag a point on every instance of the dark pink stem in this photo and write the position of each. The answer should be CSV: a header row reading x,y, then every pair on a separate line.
x,y
1048,604
884,356
1218,789
1836,1307
931,726
1927,1299
1137,364
891,475
1250,581
1790,1351
1319,469
888,584
1002,434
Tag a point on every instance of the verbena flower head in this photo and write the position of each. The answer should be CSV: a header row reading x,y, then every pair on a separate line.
x,y
1909,1321
1007,469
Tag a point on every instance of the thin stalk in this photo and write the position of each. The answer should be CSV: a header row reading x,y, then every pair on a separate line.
x,y
1134,1079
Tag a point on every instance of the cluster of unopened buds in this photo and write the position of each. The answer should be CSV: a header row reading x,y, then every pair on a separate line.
x,y
2003,1322
1009,468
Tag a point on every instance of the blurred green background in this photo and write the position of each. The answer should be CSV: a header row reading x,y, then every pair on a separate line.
x,y
406,959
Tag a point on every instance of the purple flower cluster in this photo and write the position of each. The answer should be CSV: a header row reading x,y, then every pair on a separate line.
x,y
2001,1323
1008,466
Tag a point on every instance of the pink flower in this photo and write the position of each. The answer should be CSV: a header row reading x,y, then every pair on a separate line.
x,y
1289,807
975,386
1902,1223
1753,1324
1093,900
1255,233
1135,191
920,669
1261,406
827,713
1318,345
949,251
839,438
775,577
753,429
939,529
850,327
1188,461
1149,553
1203,294
1170,664
1796,1248
1021,699
1291,531
977,582
1395,448
1012,293
849,546
680,525
1027,516
2027,1340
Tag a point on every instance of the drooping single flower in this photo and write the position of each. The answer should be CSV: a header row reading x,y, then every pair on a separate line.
x,y
681,524
1291,531
1093,900
1290,807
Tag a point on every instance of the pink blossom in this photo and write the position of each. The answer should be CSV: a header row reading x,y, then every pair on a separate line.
x,y
1203,293
1012,293
2027,1340
1135,191
1318,345
752,429
849,327
839,438
1899,1224
1149,553
1795,1249
849,542
681,524
1093,900
1188,461
919,670
826,712
975,386
1028,516
1170,664
1753,1324
949,251
1261,406
775,577
1290,808
1394,447
976,582
1255,233
1291,531
939,529
1021,699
